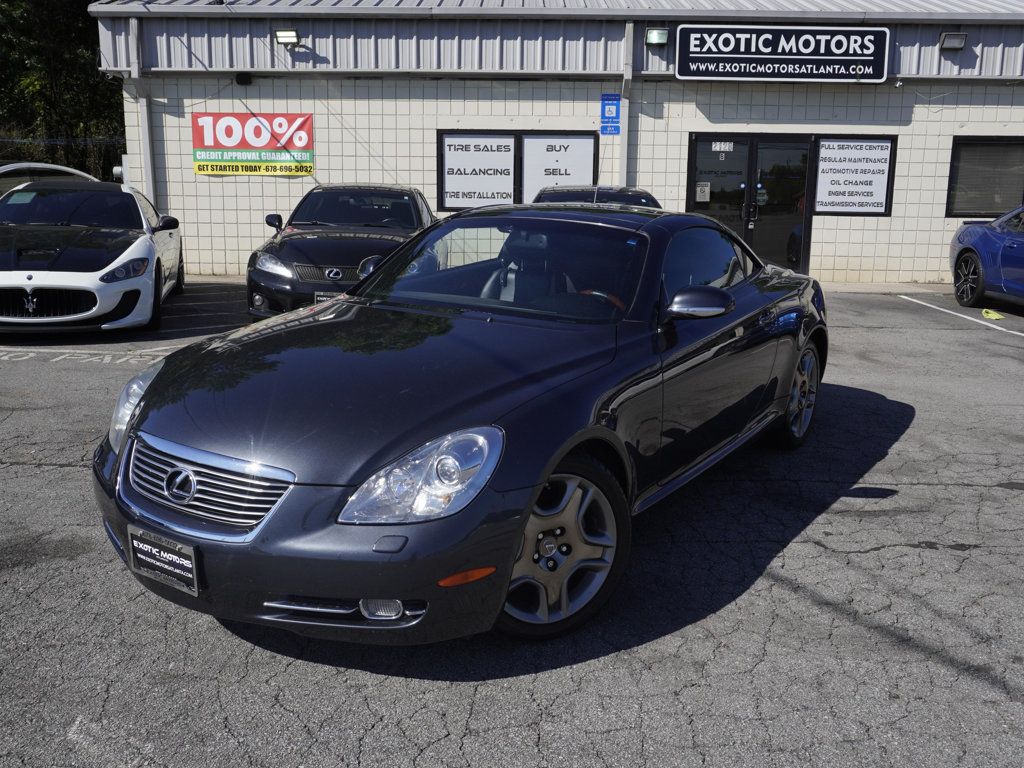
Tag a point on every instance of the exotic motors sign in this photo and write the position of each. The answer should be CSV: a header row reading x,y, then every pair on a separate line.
x,y
477,169
252,144
793,54
853,176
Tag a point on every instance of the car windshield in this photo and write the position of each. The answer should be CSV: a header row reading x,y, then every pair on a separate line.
x,y
603,196
71,208
357,207
556,269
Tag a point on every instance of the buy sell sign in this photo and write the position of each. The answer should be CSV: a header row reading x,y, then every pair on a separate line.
x,y
252,144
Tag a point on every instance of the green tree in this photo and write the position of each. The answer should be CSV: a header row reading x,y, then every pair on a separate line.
x,y
55,104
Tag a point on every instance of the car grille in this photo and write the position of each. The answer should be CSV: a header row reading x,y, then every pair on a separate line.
x,y
45,302
221,496
310,273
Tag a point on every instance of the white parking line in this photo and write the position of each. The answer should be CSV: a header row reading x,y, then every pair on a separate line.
x,y
45,350
199,328
958,314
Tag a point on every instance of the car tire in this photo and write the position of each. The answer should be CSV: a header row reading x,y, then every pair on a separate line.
x,y
554,590
156,313
179,280
968,279
793,426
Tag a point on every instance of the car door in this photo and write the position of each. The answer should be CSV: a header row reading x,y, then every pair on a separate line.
x,y
715,370
165,241
1011,258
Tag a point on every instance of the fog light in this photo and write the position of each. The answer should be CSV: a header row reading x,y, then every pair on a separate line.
x,y
258,300
380,610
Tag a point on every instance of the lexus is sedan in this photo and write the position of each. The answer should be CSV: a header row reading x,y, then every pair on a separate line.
x,y
987,257
438,452
315,255
78,255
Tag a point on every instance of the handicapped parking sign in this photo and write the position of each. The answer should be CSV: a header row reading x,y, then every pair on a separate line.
x,y
610,106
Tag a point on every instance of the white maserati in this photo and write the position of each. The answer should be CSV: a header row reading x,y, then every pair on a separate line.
x,y
84,254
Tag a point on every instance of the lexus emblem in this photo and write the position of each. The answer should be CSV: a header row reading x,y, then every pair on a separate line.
x,y
30,304
333,273
180,485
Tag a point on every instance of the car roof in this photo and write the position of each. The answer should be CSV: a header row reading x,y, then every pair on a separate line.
x,y
618,214
72,185
593,187
15,167
375,187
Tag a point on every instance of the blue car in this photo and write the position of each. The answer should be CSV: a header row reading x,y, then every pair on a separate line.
x,y
988,257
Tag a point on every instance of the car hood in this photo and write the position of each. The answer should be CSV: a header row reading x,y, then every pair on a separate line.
x,y
62,249
334,247
336,391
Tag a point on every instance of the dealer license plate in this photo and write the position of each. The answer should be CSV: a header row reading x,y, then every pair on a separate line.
x,y
321,296
162,559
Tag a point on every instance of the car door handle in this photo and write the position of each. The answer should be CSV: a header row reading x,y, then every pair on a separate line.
x,y
767,317
1011,245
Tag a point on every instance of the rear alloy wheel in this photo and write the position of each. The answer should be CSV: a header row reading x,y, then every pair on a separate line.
x,y
158,289
574,551
967,280
803,395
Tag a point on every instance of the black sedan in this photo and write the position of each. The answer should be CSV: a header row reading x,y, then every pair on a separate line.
x,y
315,254
442,451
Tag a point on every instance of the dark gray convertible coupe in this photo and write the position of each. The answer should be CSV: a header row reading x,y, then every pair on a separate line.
x,y
461,440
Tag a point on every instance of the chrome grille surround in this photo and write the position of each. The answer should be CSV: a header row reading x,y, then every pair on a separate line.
x,y
227,491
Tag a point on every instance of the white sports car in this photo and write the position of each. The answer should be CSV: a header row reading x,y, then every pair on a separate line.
x,y
84,254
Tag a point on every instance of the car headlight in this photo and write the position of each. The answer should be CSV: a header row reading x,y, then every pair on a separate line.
x,y
434,481
126,271
127,402
273,265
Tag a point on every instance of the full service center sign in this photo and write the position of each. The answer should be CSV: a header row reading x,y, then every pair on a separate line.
x,y
784,54
252,144
478,169
853,176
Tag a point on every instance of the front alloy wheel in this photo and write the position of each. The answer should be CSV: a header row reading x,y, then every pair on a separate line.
x,y
967,280
573,552
803,396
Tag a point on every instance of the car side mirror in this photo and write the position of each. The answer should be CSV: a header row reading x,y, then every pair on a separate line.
x,y
367,265
701,301
166,223
274,220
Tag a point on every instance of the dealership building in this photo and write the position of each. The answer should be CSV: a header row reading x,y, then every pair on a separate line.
x,y
847,138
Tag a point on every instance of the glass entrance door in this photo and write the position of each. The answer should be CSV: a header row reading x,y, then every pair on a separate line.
x,y
757,187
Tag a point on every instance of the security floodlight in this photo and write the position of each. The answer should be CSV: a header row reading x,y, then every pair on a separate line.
x,y
657,36
289,38
953,41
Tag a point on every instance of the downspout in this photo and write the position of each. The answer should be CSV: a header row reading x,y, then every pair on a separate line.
x,y
627,82
142,103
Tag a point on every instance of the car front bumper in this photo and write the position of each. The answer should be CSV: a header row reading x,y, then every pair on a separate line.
x,y
124,304
283,294
299,556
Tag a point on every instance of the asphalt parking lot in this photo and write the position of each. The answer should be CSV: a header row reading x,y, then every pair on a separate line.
x,y
858,602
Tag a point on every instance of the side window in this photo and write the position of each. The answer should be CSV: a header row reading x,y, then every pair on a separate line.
x,y
704,256
1016,223
152,217
424,210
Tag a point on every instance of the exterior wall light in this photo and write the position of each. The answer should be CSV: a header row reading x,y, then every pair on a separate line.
x,y
953,41
289,38
657,36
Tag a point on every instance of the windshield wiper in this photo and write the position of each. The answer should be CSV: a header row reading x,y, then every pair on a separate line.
x,y
314,222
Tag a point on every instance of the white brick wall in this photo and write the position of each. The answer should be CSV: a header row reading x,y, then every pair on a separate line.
x,y
383,130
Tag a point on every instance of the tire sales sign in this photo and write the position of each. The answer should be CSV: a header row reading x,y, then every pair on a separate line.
x,y
252,144
782,54
477,169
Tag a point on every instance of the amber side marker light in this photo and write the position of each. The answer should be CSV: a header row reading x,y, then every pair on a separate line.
x,y
466,577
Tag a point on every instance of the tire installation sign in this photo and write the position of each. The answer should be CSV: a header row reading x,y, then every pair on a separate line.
x,y
782,54
477,169
252,144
